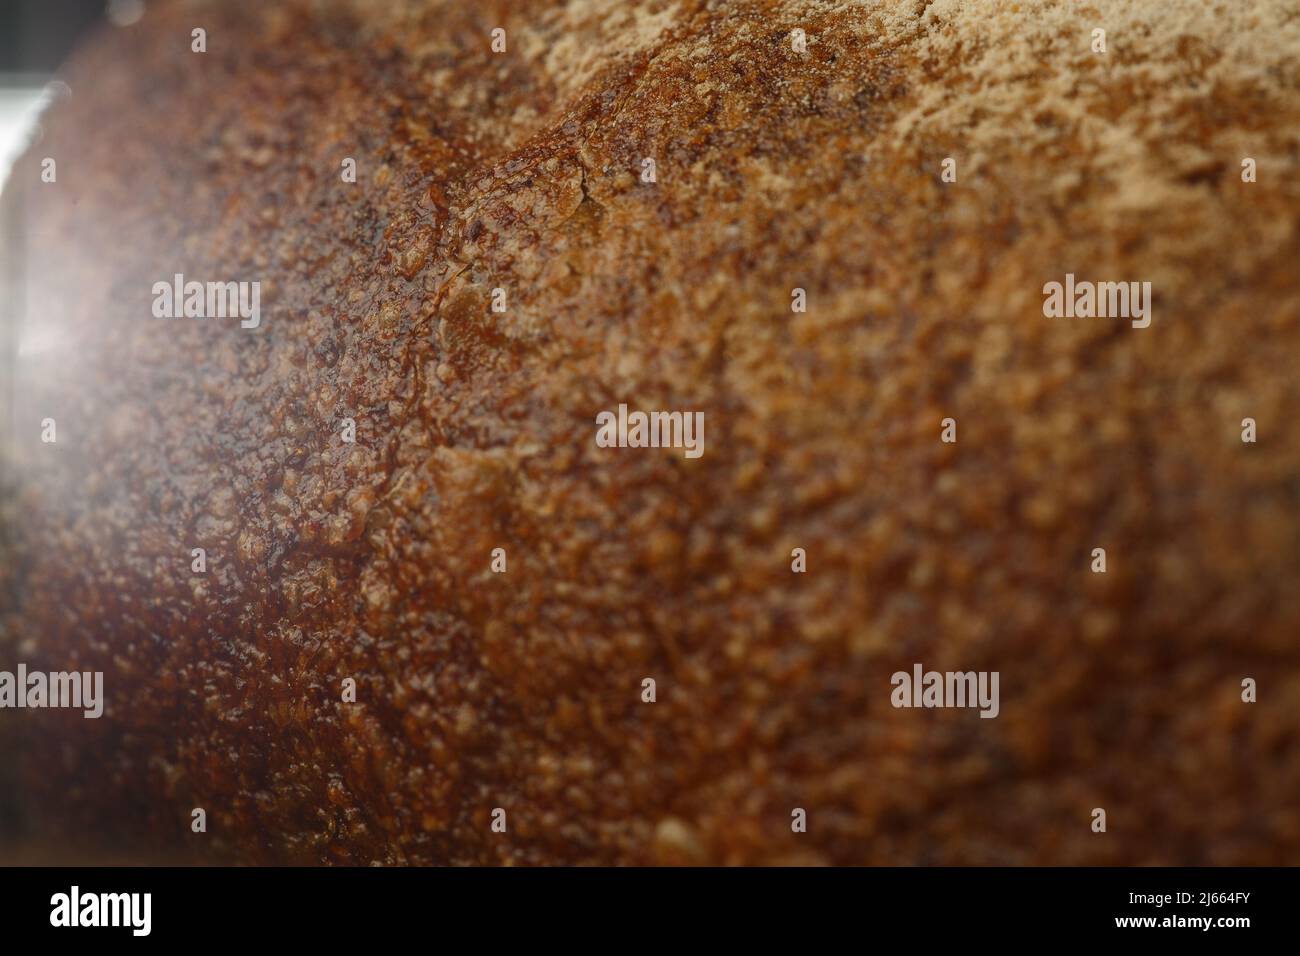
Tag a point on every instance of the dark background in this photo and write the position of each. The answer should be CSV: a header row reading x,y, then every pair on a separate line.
x,y
37,35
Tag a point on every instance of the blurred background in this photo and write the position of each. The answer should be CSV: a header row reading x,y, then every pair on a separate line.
x,y
35,37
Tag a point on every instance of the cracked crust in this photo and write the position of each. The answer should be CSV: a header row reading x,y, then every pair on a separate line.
x,y
775,170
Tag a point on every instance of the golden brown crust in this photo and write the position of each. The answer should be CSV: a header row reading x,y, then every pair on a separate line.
x,y
775,170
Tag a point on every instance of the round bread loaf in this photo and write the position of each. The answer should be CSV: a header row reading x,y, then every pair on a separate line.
x,y
838,246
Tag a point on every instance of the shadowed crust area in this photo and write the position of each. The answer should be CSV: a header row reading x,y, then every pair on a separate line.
x,y
475,430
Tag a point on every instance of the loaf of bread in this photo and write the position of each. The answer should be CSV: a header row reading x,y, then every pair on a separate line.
x,y
365,587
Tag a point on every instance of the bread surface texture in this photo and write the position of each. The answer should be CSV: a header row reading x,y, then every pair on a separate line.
x,y
775,169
